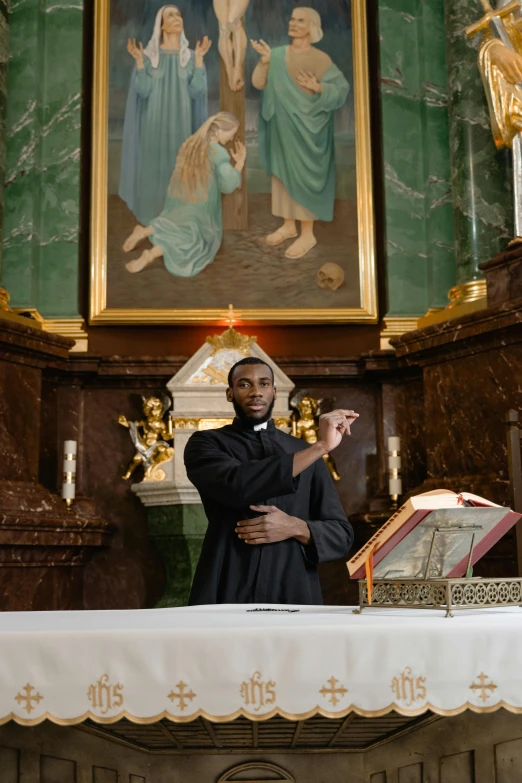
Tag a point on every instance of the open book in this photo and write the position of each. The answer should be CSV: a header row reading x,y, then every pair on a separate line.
x,y
442,522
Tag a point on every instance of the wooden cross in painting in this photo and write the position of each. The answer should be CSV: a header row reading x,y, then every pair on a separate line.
x,y
232,47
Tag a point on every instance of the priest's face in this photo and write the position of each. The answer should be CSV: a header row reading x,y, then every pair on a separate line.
x,y
253,393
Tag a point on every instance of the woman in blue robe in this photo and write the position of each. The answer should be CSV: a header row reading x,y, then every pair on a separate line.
x,y
167,103
189,230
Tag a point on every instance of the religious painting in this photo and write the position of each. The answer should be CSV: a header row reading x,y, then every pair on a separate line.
x,y
231,163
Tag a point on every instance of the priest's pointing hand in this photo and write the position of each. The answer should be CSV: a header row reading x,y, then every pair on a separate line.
x,y
332,427
274,525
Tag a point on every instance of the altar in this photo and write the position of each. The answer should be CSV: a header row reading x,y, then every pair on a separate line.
x,y
266,683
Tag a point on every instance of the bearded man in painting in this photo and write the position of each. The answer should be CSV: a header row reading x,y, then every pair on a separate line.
x,y
301,90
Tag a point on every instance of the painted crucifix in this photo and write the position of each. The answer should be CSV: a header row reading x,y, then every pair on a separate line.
x,y
232,47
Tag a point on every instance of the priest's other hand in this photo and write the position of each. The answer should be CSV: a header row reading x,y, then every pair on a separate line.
x,y
274,525
333,425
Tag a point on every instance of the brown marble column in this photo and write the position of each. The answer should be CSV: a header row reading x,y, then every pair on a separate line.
x,y
471,369
42,546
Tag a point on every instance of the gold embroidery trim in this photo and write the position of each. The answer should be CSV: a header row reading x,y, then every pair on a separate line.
x,y
394,707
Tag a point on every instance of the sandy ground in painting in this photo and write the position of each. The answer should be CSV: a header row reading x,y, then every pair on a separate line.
x,y
245,272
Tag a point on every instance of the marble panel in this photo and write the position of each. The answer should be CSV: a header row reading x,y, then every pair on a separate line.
x,y
482,197
503,275
471,377
4,52
41,236
24,352
19,422
418,212
466,403
177,533
43,547
409,415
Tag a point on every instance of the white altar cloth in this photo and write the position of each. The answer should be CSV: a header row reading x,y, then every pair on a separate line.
x,y
220,662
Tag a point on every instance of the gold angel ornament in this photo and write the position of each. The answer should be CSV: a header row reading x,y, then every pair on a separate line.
x,y
150,436
500,64
305,425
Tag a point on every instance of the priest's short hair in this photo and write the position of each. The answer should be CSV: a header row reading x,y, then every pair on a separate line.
x,y
247,360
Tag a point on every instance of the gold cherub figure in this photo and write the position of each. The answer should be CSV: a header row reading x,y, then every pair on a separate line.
x,y
306,426
149,437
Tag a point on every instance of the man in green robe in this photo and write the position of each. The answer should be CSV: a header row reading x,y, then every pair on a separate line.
x,y
301,90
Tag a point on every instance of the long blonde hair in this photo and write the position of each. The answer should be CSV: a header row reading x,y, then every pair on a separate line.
x,y
191,178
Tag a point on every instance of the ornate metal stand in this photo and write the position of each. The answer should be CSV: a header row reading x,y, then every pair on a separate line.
x,y
439,592
447,594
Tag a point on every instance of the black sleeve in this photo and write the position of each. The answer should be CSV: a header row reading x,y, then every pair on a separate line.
x,y
332,534
223,478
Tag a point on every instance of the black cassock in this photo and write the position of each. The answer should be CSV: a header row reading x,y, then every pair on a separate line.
x,y
234,467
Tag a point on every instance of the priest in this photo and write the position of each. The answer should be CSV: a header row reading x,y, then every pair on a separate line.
x,y
272,507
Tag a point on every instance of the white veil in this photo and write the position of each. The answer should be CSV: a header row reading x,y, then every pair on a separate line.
x,y
152,50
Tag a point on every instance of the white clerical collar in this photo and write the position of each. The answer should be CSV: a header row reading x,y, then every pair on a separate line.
x,y
262,426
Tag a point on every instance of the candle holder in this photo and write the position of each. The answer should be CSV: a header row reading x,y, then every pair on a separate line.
x,y
69,473
394,470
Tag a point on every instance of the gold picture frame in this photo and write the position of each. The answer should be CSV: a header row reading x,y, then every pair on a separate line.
x,y
100,313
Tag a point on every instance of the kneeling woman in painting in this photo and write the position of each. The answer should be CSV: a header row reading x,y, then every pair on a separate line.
x,y
189,231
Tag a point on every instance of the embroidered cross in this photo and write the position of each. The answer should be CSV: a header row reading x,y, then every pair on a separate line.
x,y
28,698
483,686
332,691
183,697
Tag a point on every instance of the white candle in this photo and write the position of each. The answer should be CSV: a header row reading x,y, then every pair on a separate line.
x,y
394,465
69,470
394,443
395,486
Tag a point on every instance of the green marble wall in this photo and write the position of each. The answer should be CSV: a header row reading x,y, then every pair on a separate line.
x,y
4,52
414,110
481,183
41,226
178,533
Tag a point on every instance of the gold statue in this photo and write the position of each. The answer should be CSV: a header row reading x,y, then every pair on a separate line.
x,y
500,65
306,426
150,439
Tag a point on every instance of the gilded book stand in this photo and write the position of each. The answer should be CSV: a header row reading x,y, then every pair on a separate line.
x,y
431,567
